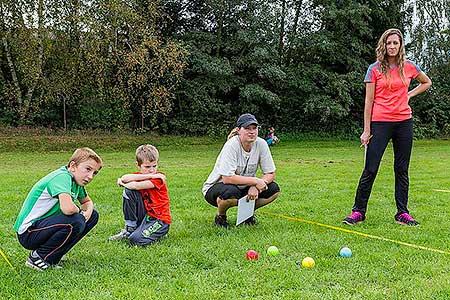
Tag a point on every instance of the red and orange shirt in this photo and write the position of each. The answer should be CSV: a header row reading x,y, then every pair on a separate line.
x,y
156,200
390,103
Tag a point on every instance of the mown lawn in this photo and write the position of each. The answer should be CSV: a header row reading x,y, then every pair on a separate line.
x,y
199,261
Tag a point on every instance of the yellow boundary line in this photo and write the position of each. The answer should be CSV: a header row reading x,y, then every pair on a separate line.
x,y
445,191
6,259
359,233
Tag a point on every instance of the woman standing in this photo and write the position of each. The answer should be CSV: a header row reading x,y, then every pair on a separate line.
x,y
387,115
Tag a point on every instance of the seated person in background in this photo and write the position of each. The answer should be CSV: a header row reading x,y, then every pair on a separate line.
x,y
271,138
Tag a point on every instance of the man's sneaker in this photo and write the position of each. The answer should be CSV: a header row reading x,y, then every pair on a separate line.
x,y
123,234
250,221
221,221
406,219
34,261
354,218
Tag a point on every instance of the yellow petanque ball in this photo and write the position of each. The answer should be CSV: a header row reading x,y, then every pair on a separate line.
x,y
308,262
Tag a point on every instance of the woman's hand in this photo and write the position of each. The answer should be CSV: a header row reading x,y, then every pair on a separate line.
x,y
252,193
260,185
365,137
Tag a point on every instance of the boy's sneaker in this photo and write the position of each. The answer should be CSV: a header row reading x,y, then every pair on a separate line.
x,y
406,219
250,221
221,221
354,218
34,261
123,234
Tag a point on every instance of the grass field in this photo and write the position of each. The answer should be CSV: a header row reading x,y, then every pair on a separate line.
x,y
199,261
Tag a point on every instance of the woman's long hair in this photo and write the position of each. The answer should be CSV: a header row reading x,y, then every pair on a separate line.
x,y
233,132
382,56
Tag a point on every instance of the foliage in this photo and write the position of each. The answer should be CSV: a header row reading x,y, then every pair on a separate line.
x,y
191,67
77,58
430,48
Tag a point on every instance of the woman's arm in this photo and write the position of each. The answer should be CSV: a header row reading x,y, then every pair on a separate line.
x,y
425,83
245,180
368,105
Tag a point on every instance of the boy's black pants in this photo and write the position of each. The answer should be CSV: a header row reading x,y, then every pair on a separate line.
x,y
401,134
55,235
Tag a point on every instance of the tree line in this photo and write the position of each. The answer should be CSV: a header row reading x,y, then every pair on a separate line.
x,y
191,67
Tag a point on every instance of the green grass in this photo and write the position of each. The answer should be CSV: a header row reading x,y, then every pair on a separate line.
x,y
199,261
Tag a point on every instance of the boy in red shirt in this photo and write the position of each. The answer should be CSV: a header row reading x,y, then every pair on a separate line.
x,y
146,204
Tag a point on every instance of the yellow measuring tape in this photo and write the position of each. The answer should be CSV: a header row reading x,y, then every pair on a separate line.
x,y
359,233
445,191
6,259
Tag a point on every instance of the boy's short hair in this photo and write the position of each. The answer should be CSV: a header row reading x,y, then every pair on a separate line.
x,y
84,154
146,153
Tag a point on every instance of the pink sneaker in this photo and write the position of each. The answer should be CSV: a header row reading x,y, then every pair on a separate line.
x,y
406,219
354,218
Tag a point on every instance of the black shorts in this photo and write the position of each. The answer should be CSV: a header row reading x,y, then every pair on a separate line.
x,y
231,191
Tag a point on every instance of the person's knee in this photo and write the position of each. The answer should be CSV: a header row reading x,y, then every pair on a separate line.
x,y
130,194
273,188
137,238
369,174
78,223
94,218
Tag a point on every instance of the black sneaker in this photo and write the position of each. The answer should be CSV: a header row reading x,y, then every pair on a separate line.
x,y
221,221
250,221
34,261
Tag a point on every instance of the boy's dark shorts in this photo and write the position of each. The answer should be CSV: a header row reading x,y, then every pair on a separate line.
x,y
231,191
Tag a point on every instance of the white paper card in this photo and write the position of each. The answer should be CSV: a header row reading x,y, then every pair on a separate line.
x,y
246,209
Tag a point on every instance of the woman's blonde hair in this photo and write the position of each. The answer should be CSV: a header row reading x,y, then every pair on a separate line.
x,y
233,132
147,153
382,56
84,154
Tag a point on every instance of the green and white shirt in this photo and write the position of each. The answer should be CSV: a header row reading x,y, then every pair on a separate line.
x,y
42,201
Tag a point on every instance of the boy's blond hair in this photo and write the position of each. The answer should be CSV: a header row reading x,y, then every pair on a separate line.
x,y
146,153
83,154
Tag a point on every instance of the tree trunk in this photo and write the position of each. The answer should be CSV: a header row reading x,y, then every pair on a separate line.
x,y
293,32
220,27
282,24
64,112
11,66
29,95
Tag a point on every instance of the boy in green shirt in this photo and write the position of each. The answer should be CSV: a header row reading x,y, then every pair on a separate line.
x,y
50,223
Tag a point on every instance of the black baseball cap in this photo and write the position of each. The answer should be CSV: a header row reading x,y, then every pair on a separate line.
x,y
246,120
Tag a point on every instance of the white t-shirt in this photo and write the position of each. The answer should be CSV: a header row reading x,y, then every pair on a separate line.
x,y
234,160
